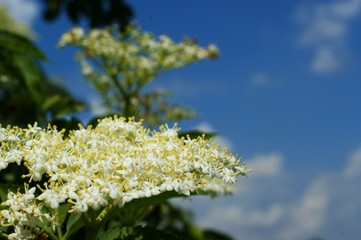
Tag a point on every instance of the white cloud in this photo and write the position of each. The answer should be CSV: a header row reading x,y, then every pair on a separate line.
x,y
255,204
313,206
267,218
308,215
24,11
262,78
259,79
285,205
269,164
346,9
260,216
353,167
326,61
326,28
236,216
322,29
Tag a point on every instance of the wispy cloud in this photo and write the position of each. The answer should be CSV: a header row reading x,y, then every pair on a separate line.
x,y
259,79
307,216
353,167
277,205
326,61
269,164
326,28
236,217
24,11
262,78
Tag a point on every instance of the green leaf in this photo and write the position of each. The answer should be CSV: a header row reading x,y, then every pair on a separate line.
x,y
193,134
51,101
63,212
211,234
136,233
59,105
74,223
153,200
149,233
111,234
19,45
32,76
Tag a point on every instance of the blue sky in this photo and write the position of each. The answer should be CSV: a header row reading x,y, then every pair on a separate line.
x,y
284,94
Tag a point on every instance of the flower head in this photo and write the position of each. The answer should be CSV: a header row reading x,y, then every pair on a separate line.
x,y
120,160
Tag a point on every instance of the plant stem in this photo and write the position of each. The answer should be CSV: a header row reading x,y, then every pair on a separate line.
x,y
95,222
125,95
60,233
91,233
92,227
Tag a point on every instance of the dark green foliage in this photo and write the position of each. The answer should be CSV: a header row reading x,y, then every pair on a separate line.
x,y
5,188
210,234
20,75
12,174
16,44
136,233
179,222
27,96
174,220
73,226
98,13
26,93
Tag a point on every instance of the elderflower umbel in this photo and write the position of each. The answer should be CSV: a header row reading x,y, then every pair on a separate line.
x,y
118,161
23,213
136,55
123,62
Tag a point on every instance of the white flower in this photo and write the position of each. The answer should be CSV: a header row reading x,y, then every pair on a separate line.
x,y
118,161
74,35
135,57
22,211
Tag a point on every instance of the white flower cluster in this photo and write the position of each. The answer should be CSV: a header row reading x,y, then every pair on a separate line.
x,y
24,214
136,55
117,160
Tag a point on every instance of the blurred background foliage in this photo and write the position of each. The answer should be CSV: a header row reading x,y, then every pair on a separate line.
x,y
28,95
96,13
7,23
